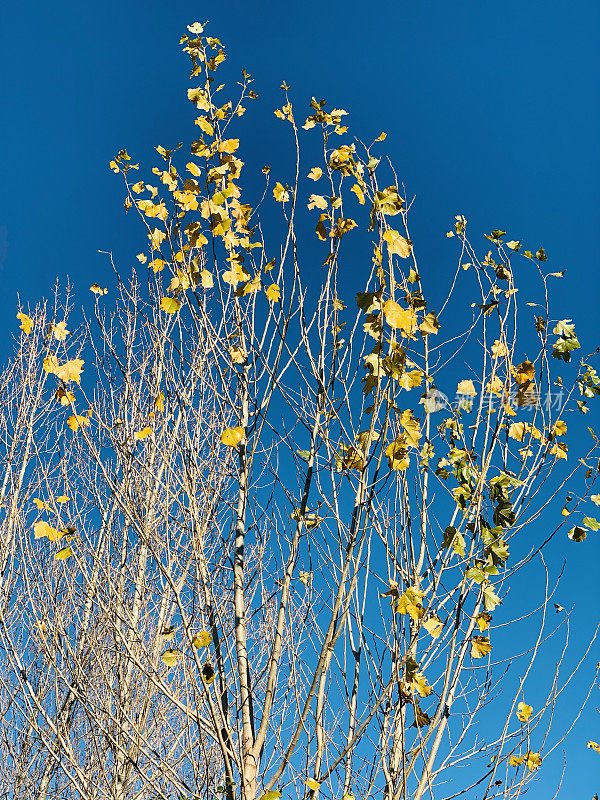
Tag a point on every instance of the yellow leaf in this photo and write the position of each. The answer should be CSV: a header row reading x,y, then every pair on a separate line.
x,y
237,355
193,168
206,279
195,27
142,258
65,398
397,244
143,433
524,711
517,430
433,625
138,187
410,380
272,795
41,504
96,289
495,386
42,528
559,428
516,761
483,620
315,173
480,646
159,402
208,673
62,499
280,194
69,371
342,227
64,553
305,577
398,317
317,201
202,639
60,331
232,436
594,746
170,657
156,238
411,428
229,146
273,293
533,760
75,421
26,323
312,784
359,193
499,349
381,137
466,387
397,454
525,372
170,305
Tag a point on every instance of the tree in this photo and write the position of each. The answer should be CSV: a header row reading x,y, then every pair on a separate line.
x,y
248,547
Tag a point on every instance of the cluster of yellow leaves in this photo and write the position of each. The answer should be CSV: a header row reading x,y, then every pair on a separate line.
x,y
69,371
531,759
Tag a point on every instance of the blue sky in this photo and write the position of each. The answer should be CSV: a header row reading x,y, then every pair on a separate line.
x,y
491,110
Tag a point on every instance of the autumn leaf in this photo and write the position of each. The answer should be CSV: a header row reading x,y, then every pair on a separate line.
x,y
397,454
525,372
483,621
60,331
305,577
272,795
69,371
170,657
411,428
26,323
315,173
316,201
64,553
524,711
433,625
480,646
64,397
42,529
159,402
533,760
232,436
96,289
273,293
466,387
398,317
594,746
312,784
499,349
201,639
208,673
397,244
143,433
280,194
75,421
170,305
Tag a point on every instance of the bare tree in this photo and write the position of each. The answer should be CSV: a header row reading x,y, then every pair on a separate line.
x,y
248,547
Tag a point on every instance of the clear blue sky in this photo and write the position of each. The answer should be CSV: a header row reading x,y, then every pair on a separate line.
x,y
491,109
